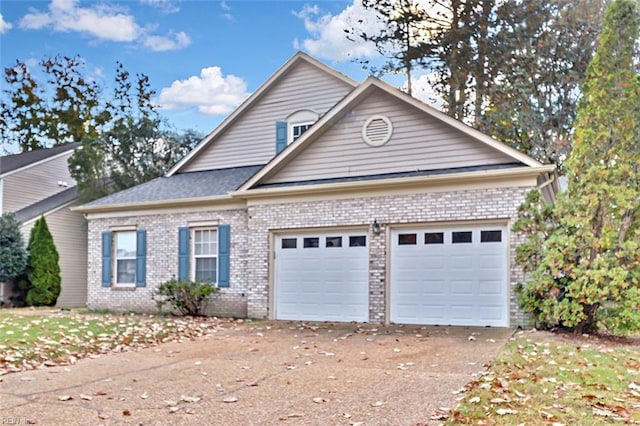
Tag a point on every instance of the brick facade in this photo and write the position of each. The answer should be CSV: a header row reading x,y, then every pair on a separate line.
x,y
162,261
466,205
251,236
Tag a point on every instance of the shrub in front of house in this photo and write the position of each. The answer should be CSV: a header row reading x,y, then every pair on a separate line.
x,y
185,297
43,269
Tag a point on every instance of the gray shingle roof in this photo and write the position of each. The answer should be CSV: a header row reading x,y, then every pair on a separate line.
x,y
182,186
48,204
9,163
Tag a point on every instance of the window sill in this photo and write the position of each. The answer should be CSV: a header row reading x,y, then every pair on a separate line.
x,y
123,287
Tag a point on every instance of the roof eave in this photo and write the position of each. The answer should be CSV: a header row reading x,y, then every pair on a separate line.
x,y
150,205
376,184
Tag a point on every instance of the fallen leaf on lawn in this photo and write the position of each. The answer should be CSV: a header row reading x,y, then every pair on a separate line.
x,y
602,412
377,404
504,411
230,399
85,397
475,400
633,386
65,398
295,415
499,400
185,398
546,415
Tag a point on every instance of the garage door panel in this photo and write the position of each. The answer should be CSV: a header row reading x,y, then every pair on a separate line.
x,y
462,283
328,280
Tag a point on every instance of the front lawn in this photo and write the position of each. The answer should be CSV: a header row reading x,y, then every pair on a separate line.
x,y
542,378
33,339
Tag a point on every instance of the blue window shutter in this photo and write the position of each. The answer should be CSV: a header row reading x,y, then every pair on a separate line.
x,y
224,251
281,136
141,258
106,259
183,253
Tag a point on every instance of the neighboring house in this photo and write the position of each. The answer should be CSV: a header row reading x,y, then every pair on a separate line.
x,y
323,199
37,183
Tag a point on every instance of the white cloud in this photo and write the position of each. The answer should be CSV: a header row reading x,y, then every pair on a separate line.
x,y
102,21
4,25
328,38
422,89
165,6
226,11
211,92
163,43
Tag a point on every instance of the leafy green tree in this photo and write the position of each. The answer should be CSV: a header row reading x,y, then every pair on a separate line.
x,y
43,270
13,256
66,107
542,53
403,38
135,145
588,277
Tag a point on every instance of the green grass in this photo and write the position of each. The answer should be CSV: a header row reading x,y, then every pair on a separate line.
x,y
35,339
542,379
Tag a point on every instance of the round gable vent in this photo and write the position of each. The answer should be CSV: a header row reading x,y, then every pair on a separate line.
x,y
377,130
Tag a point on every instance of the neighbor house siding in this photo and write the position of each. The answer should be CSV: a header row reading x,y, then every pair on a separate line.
x,y
252,139
69,232
162,261
499,204
419,142
34,183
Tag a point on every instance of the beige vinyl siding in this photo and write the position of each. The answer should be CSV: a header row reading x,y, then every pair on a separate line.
x,y
32,184
251,140
69,231
419,142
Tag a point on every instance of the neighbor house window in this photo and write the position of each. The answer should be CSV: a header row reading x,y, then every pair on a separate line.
x,y
205,255
125,257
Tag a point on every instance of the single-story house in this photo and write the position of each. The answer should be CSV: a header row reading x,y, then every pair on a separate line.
x,y
323,199
38,183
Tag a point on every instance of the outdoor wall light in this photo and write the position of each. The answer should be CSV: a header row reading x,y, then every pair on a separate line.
x,y
375,227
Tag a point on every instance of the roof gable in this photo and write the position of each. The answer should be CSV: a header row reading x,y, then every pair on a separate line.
x,y
13,162
423,138
253,121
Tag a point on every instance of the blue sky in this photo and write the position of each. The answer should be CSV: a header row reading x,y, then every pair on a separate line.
x,y
203,57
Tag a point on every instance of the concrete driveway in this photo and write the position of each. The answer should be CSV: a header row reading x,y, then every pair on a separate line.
x,y
262,373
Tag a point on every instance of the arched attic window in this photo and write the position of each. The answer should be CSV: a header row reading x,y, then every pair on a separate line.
x,y
299,122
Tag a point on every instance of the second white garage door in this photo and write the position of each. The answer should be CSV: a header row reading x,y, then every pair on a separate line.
x,y
322,277
449,276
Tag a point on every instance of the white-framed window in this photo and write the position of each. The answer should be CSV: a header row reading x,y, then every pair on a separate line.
x,y
299,122
204,262
124,243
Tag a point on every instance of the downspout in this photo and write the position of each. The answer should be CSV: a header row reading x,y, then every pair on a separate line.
x,y
540,187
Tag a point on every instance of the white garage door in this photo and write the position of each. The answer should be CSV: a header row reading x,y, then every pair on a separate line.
x,y
451,276
322,277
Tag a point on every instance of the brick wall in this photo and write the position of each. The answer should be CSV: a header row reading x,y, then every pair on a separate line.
x,y
162,262
248,294
464,205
